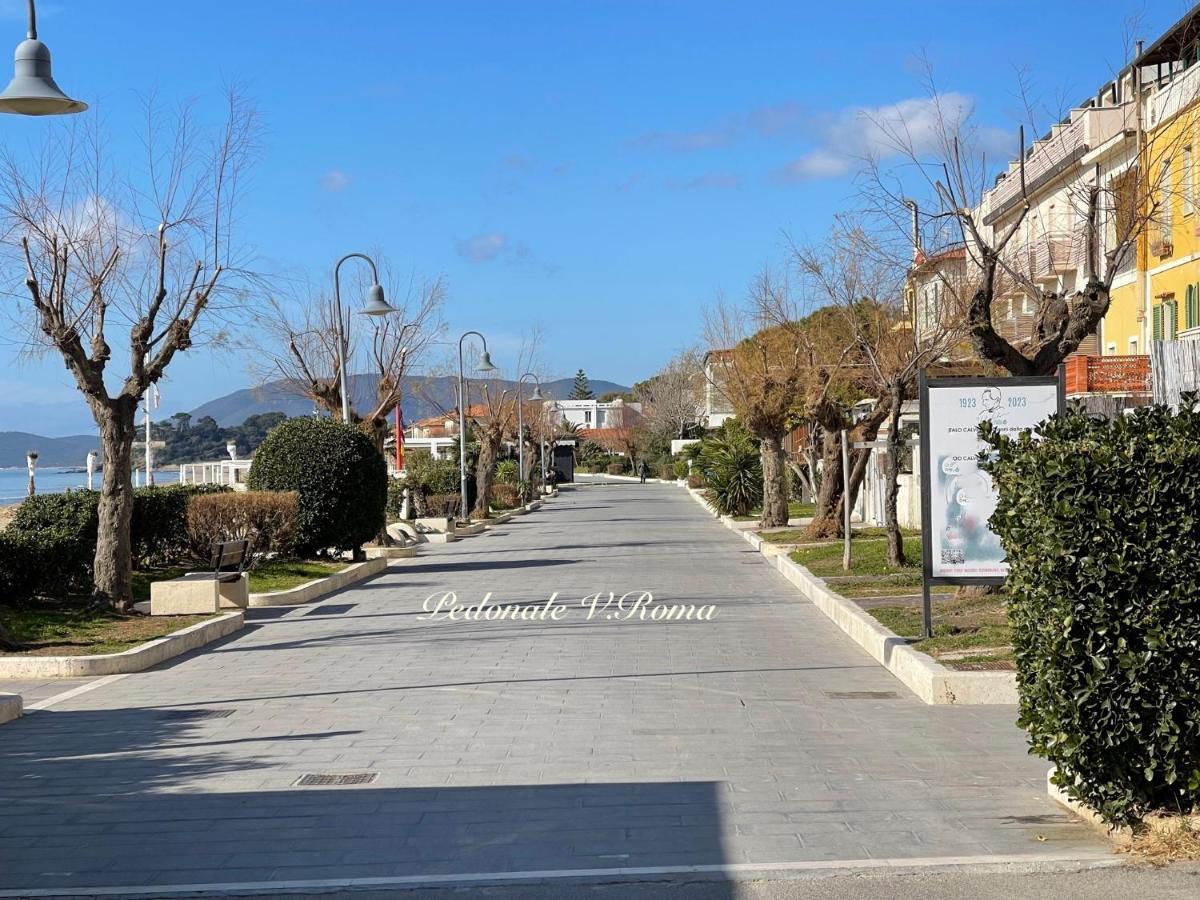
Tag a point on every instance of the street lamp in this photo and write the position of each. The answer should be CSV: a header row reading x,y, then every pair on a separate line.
x,y
536,396
376,306
485,365
32,92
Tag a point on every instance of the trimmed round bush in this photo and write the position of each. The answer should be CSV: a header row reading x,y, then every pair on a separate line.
x,y
340,476
1101,524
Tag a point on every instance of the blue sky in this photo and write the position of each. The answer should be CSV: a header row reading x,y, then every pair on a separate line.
x,y
597,170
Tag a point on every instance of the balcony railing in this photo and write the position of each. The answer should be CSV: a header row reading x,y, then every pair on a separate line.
x,y
1108,375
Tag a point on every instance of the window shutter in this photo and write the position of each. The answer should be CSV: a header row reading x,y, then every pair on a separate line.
x,y
1156,327
1172,310
1192,314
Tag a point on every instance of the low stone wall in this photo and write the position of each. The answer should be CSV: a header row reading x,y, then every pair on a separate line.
x,y
133,660
924,676
312,590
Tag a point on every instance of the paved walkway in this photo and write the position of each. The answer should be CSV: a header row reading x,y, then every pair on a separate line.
x,y
760,737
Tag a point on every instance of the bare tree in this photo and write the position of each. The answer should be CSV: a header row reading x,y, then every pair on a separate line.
x,y
1010,235
762,363
493,421
104,248
862,279
305,348
673,399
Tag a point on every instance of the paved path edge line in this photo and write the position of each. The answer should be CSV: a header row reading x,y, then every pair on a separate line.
x,y
740,871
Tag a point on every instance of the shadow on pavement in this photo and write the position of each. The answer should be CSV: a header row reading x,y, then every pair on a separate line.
x,y
145,796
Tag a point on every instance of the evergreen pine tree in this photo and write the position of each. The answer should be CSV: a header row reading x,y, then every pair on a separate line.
x,y
582,390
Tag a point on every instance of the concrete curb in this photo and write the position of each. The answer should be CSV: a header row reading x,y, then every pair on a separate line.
x,y
133,660
313,590
10,707
934,683
407,552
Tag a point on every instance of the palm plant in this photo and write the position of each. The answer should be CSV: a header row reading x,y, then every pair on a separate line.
x,y
732,464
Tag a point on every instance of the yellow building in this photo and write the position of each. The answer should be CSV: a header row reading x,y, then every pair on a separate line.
x,y
1170,246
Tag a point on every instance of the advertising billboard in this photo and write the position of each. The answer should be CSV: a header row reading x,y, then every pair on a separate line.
x,y
957,496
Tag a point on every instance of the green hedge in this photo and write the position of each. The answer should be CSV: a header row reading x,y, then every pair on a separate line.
x,y
159,535
1101,523
47,562
62,528
339,474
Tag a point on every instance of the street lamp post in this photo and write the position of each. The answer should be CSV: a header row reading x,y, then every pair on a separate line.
x,y
32,91
536,396
485,365
376,306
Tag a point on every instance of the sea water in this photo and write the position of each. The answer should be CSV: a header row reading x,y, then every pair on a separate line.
x,y
14,482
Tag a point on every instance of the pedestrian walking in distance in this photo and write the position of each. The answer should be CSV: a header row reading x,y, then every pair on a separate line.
x,y
643,470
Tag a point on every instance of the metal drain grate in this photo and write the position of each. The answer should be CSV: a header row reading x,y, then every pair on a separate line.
x,y
862,695
313,779
192,715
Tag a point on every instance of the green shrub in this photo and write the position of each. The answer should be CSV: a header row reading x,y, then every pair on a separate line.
x,y
264,518
158,534
74,512
1101,524
339,474
45,562
507,472
52,545
731,465
679,469
434,476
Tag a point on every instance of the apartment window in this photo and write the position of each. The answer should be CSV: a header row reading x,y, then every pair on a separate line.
x,y
1188,183
1133,346
1165,320
1010,315
1191,311
1111,349
587,417
1027,306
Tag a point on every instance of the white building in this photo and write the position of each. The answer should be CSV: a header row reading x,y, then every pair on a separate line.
x,y
593,414
717,408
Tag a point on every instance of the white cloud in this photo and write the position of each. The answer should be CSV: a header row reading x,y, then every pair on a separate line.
x,y
883,132
483,247
335,180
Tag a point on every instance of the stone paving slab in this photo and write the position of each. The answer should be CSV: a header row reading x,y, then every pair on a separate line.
x,y
520,745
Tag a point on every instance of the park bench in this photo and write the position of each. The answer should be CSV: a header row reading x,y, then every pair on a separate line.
x,y
226,585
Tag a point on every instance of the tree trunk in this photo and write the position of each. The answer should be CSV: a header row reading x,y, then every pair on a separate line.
x,y
891,518
113,576
484,470
775,498
827,520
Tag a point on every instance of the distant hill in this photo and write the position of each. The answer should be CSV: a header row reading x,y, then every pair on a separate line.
x,y
61,451
422,397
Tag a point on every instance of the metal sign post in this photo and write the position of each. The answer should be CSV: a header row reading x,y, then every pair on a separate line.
x,y
957,498
845,501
